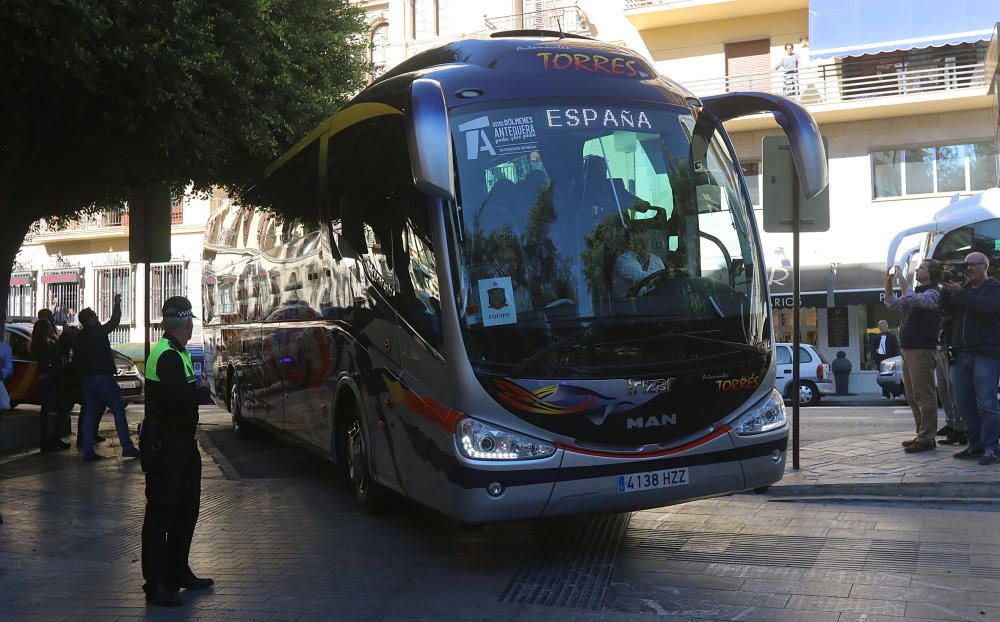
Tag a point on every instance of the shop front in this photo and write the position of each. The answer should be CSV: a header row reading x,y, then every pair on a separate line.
x,y
841,305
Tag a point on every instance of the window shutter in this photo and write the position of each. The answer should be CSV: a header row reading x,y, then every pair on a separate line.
x,y
748,65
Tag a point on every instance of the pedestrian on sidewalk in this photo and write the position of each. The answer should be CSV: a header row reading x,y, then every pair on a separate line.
x,y
953,430
170,458
48,350
6,371
918,341
975,338
96,366
884,345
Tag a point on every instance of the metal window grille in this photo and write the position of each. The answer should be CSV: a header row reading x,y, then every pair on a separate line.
x,y
68,294
21,302
108,282
165,280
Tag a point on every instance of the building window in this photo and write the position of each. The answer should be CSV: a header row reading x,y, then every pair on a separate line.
x,y
177,211
108,282
165,280
21,298
751,172
379,47
933,169
425,18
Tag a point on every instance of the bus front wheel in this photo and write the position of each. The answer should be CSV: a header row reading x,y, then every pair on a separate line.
x,y
240,425
367,491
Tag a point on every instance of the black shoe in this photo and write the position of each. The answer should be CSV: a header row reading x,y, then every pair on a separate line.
x,y
955,438
192,582
130,453
161,596
988,458
969,452
94,458
945,431
60,445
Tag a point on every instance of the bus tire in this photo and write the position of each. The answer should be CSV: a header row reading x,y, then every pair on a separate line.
x,y
354,443
240,424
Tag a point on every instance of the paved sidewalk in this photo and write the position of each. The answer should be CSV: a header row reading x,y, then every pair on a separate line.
x,y
300,549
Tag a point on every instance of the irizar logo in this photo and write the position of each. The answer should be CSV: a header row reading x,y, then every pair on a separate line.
x,y
653,421
473,132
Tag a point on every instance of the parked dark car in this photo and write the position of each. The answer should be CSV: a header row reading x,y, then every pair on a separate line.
x,y
23,385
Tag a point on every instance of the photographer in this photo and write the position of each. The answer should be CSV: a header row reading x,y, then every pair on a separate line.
x,y
918,339
975,338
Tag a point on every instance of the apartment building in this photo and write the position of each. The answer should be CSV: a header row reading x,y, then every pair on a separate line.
x,y
86,262
898,87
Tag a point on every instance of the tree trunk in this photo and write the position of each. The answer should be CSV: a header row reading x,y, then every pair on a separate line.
x,y
12,235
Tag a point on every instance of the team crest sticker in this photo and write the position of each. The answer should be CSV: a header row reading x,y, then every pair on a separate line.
x,y
496,299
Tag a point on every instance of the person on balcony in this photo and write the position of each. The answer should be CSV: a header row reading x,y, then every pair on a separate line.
x,y
789,64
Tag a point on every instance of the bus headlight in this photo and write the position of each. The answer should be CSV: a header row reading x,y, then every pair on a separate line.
x,y
481,441
768,414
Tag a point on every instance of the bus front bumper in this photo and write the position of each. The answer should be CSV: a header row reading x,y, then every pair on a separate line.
x,y
588,482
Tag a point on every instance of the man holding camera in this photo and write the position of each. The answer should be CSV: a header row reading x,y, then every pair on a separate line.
x,y
918,339
975,338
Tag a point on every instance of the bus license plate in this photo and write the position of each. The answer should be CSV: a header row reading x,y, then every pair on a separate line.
x,y
653,479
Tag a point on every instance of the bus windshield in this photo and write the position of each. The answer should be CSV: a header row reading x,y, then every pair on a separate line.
x,y
597,239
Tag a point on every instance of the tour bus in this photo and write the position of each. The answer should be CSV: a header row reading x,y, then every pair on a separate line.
x,y
963,226
516,276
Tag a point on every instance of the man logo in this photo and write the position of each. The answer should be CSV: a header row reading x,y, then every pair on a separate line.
x,y
473,130
650,422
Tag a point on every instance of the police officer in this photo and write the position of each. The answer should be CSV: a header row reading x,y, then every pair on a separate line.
x,y
170,458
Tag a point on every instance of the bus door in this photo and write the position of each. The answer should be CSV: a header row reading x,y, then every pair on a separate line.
x,y
421,420
374,323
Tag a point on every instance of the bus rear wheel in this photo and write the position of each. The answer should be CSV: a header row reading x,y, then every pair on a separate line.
x,y
367,491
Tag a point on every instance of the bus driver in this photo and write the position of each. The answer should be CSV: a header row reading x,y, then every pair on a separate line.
x,y
635,263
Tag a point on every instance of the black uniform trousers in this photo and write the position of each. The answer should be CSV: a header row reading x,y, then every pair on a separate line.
x,y
173,496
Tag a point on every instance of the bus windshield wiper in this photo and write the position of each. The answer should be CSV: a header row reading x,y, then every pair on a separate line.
x,y
573,336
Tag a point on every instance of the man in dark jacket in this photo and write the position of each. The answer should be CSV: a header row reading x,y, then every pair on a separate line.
x,y
96,366
884,345
918,340
975,337
171,460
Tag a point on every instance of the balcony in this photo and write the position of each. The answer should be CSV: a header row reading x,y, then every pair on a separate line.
x,y
649,14
845,91
570,19
98,224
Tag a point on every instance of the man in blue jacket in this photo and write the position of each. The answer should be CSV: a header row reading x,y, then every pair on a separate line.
x,y
975,336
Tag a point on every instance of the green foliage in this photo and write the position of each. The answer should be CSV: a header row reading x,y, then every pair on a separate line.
x,y
103,95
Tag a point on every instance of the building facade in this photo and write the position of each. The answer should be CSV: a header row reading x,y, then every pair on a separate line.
x,y
85,263
902,96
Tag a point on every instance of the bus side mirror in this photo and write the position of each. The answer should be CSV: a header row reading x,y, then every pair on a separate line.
x,y
428,138
804,138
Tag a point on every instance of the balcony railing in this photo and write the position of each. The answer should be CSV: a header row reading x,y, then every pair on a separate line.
x,y
825,84
570,19
642,4
86,222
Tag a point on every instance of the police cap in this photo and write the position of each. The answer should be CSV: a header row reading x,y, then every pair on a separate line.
x,y
178,306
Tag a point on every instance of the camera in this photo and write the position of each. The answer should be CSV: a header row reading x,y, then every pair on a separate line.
x,y
953,272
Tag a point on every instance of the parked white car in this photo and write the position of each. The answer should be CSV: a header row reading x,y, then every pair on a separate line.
x,y
815,379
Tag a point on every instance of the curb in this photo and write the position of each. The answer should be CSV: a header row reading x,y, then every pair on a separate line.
x,y
972,501
227,468
893,490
